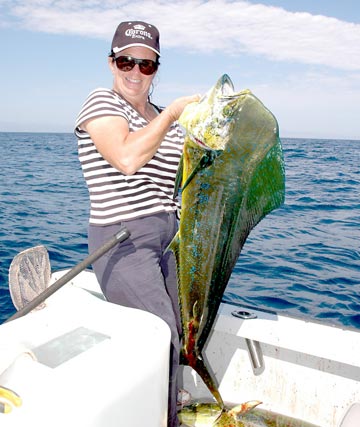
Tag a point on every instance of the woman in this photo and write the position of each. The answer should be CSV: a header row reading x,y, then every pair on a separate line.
x,y
129,151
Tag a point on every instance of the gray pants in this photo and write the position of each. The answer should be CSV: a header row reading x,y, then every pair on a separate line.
x,y
137,273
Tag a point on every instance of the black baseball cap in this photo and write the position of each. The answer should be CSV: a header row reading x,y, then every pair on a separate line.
x,y
135,33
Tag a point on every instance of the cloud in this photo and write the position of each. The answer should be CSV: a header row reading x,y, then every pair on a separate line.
x,y
232,27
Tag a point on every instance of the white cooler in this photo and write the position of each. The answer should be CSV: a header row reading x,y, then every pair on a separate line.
x,y
85,362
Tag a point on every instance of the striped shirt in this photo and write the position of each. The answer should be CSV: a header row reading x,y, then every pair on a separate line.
x,y
116,197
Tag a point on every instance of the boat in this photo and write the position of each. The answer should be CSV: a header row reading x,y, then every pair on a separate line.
x,y
82,361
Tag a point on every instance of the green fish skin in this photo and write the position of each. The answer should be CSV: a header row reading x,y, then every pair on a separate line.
x,y
211,415
232,176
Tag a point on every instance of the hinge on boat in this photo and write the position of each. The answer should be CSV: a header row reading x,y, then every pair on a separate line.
x,y
254,348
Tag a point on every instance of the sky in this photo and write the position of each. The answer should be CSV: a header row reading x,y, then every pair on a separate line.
x,y
301,58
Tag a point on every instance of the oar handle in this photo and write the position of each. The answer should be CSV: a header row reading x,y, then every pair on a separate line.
x,y
119,237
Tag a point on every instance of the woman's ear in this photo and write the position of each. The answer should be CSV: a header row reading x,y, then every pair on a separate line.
x,y
112,64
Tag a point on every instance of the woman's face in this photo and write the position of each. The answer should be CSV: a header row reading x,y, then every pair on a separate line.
x,y
133,84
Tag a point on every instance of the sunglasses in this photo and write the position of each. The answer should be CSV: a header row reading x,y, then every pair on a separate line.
x,y
127,63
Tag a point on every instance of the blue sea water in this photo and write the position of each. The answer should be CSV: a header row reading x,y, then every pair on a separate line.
x,y
303,259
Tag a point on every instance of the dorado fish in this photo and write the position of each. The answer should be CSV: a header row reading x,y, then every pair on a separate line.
x,y
232,175
210,414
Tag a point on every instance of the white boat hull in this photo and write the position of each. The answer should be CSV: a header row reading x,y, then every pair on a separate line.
x,y
309,371
305,370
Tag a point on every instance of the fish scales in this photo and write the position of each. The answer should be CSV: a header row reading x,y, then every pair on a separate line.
x,y
232,177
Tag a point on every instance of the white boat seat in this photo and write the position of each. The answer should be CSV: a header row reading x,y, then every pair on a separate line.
x,y
352,416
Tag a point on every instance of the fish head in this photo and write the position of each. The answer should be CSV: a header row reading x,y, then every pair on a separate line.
x,y
200,414
212,415
208,122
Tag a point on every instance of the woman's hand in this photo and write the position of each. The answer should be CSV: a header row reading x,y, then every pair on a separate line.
x,y
177,107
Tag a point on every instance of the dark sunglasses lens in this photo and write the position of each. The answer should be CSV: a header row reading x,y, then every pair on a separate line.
x,y
125,63
148,67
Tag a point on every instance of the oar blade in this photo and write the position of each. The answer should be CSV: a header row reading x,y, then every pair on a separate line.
x,y
29,275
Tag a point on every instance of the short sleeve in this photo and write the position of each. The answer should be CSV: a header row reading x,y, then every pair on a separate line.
x,y
100,102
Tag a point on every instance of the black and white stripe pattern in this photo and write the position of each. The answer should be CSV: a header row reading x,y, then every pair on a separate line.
x,y
115,197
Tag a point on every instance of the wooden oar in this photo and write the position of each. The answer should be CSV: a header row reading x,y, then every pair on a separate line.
x,y
119,237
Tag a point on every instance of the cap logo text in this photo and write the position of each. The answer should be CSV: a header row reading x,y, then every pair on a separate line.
x,y
137,33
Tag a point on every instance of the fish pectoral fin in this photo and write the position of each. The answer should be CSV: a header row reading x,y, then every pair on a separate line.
x,y
179,177
243,408
206,160
218,418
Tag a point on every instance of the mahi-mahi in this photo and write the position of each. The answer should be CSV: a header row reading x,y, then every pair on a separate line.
x,y
231,175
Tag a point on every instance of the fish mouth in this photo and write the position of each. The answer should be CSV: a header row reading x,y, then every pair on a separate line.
x,y
208,122
226,86
222,91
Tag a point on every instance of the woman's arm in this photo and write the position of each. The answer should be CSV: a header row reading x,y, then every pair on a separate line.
x,y
129,151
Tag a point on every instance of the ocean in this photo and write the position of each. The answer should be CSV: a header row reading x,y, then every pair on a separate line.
x,y
302,260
